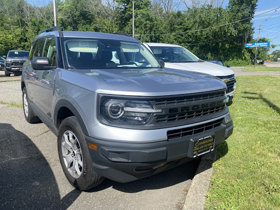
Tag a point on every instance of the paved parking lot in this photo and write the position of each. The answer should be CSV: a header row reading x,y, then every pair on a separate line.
x,y
31,176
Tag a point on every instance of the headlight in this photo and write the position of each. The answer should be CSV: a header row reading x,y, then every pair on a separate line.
x,y
114,109
125,112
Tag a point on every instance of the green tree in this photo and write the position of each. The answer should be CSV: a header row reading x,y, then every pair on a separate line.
x,y
142,9
241,13
73,15
276,55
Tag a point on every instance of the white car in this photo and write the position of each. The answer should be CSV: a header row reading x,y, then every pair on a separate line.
x,y
177,57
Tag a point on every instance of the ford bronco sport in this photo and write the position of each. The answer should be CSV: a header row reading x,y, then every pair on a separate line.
x,y
116,111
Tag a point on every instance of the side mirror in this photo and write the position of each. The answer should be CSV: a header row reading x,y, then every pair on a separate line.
x,y
161,62
41,63
4,56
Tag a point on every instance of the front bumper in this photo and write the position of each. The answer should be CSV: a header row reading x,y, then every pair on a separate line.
x,y
125,161
12,69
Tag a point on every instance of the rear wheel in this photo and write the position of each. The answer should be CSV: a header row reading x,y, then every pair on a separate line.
x,y
27,110
74,156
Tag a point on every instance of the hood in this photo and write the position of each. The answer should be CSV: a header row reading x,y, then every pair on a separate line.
x,y
202,67
143,82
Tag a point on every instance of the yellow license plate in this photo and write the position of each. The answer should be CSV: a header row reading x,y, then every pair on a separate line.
x,y
203,146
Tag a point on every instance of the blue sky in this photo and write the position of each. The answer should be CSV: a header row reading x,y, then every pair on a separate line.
x,y
270,21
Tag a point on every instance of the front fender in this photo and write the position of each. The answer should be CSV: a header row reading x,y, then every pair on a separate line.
x,y
68,105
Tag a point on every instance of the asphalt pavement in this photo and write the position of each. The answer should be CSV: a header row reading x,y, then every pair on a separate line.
x,y
31,176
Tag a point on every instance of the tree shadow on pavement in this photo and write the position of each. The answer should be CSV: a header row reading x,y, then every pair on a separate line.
x,y
26,179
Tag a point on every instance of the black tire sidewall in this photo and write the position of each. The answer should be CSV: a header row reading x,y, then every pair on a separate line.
x,y
7,73
24,93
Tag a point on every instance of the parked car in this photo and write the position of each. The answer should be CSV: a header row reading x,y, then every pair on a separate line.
x,y
177,57
14,62
116,111
2,64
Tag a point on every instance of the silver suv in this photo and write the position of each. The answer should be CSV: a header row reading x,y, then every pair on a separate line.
x,y
116,111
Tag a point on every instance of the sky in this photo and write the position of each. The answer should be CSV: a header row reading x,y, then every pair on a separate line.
x,y
267,18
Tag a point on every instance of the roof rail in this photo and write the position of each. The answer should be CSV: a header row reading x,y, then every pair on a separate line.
x,y
55,28
122,33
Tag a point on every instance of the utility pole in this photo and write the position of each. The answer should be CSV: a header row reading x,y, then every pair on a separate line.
x,y
257,47
133,18
54,13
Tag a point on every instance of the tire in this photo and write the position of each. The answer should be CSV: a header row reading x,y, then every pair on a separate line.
x,y
7,73
27,110
74,156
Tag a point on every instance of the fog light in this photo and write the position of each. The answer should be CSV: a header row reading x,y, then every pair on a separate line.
x,y
226,100
228,118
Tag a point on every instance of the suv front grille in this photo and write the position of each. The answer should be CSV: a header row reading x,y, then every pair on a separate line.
x,y
188,115
230,86
17,63
230,81
171,101
186,109
189,106
179,133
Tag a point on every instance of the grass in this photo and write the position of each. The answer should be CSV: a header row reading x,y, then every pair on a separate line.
x,y
11,104
247,170
261,68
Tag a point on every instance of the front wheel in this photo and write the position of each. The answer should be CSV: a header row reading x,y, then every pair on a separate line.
x,y
74,156
7,73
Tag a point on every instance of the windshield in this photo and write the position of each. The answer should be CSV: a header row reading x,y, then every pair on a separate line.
x,y
18,54
2,59
106,54
173,54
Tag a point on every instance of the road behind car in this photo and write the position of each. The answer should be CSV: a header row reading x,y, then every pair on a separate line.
x,y
31,175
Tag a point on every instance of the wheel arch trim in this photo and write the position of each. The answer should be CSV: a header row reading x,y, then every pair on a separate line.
x,y
66,104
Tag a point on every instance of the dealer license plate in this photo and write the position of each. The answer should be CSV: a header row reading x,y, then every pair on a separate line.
x,y
203,146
